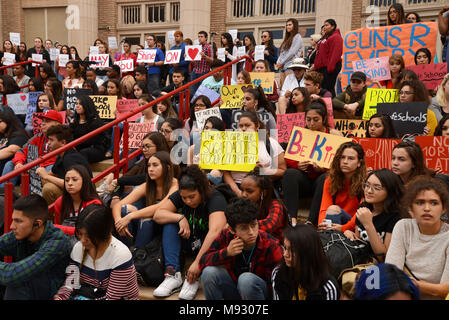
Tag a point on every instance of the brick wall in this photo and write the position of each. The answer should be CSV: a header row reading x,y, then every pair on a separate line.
x,y
218,19
107,16
356,21
12,18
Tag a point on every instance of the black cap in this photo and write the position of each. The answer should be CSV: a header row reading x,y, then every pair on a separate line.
x,y
358,75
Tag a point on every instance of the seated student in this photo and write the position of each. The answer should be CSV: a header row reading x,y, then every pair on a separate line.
x,y
74,78
199,103
263,66
303,179
421,244
443,127
239,262
44,102
343,188
395,284
35,148
380,126
99,261
91,75
91,86
165,109
292,81
12,137
304,274
349,104
243,77
177,82
54,86
36,84
78,193
21,78
440,103
379,212
40,252
312,82
167,128
87,120
272,216
139,88
414,91
141,74
216,81
271,154
127,83
149,114
254,100
53,180
201,220
397,65
133,214
299,101
423,56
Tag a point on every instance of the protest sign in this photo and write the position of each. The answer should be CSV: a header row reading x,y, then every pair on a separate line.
x,y
18,102
36,57
375,96
146,55
241,51
236,113
233,34
101,60
221,54
286,122
202,115
377,69
10,58
351,128
126,65
106,106
112,41
229,150
403,39
330,111
232,96
314,146
171,36
14,37
32,102
203,90
259,53
263,79
54,54
71,97
410,117
127,105
37,120
430,74
173,56
93,50
377,151
63,59
136,133
435,151
193,53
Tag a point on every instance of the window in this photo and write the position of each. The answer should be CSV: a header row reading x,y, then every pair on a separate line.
x,y
156,13
309,32
175,11
278,34
243,8
303,6
380,3
420,1
131,14
272,7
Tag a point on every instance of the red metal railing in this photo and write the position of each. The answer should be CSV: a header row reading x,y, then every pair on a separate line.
x,y
36,70
118,163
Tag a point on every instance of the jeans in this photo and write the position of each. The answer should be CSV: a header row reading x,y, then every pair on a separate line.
x,y
218,285
153,82
171,244
37,288
195,86
9,167
316,199
111,148
340,218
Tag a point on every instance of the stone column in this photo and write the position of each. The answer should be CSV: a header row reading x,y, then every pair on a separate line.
x,y
340,11
84,35
195,17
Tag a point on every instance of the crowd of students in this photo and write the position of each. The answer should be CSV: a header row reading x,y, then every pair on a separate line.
x,y
241,229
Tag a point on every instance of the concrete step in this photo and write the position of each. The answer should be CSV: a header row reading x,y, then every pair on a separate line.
x,y
102,165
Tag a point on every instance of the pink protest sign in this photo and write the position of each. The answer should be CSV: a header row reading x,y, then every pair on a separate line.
x,y
37,120
128,105
286,122
376,69
430,74
330,112
136,133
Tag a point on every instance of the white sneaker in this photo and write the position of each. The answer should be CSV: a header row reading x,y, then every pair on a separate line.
x,y
170,285
188,291
102,187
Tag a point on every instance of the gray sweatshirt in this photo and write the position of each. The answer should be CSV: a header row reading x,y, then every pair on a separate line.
x,y
286,57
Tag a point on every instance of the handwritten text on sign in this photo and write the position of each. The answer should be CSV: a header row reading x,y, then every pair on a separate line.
x,y
376,69
377,151
430,74
263,79
351,128
403,39
18,102
71,97
314,146
172,56
375,96
286,122
232,96
136,133
128,105
436,152
409,117
125,65
102,60
202,116
106,106
32,103
229,150
146,55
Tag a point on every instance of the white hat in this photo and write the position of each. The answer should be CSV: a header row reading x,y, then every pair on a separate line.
x,y
315,37
298,63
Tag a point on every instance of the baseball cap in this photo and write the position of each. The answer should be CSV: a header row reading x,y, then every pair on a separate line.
x,y
52,115
358,75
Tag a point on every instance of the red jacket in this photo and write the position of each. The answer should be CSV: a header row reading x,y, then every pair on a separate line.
x,y
35,148
329,51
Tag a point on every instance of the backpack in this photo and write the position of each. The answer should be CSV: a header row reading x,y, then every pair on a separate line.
x,y
149,262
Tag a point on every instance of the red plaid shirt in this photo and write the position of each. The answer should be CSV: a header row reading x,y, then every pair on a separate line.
x,y
203,66
275,220
267,255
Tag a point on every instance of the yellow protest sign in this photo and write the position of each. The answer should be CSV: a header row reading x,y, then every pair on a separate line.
x,y
106,106
232,96
263,79
375,96
351,127
229,150
314,146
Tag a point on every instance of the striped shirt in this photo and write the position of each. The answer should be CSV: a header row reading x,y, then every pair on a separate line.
x,y
203,66
114,272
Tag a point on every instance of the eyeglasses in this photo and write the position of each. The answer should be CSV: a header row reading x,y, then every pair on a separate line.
x,y
199,105
165,131
407,93
148,146
374,187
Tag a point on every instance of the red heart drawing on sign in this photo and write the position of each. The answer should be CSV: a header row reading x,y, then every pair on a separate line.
x,y
192,52
245,88
23,98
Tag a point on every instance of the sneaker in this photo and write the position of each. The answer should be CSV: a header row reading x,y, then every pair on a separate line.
x,y
188,291
170,285
103,187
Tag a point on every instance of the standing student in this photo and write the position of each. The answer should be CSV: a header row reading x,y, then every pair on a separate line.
x,y
380,126
200,68
62,71
290,49
127,55
421,244
230,52
304,274
271,52
102,71
154,68
8,48
423,56
74,79
412,17
343,188
183,64
37,49
240,260
395,15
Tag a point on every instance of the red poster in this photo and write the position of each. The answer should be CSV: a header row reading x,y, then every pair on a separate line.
x,y
377,151
430,74
127,105
285,124
436,152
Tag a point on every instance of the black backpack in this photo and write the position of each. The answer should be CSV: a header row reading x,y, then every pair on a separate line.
x,y
149,262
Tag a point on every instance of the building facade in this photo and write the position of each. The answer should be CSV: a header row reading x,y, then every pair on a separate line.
x,y
80,22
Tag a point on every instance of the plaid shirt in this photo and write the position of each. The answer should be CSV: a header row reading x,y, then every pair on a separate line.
x,y
51,255
275,220
203,66
267,255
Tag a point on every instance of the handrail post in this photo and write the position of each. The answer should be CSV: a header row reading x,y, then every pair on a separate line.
x,y
125,144
187,97
36,70
116,150
25,184
181,105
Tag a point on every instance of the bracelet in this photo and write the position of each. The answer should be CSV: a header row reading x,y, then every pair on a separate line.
x,y
181,219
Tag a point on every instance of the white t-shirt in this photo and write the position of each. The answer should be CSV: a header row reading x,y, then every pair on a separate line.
x,y
291,83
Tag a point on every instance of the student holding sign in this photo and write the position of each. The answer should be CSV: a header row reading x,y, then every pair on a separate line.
x,y
397,65
380,126
74,79
262,66
37,49
127,55
349,104
8,55
254,100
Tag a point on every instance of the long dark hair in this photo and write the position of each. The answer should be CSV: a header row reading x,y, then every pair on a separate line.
x,y
401,15
415,153
55,88
22,54
319,106
420,91
167,175
426,52
37,83
193,178
206,101
230,43
46,67
75,64
90,111
270,47
288,37
9,84
439,129
291,108
252,46
262,101
87,192
13,126
311,269
389,131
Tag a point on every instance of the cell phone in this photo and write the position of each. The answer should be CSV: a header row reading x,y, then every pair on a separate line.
x,y
327,222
